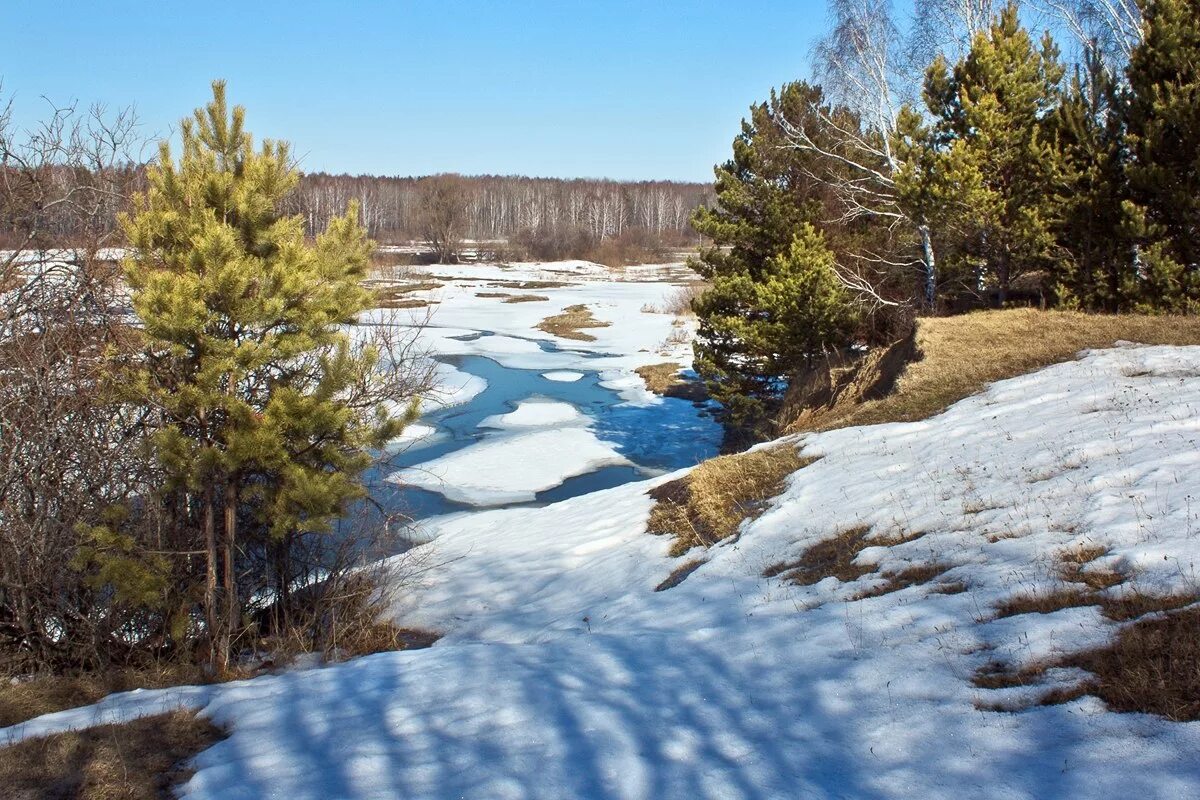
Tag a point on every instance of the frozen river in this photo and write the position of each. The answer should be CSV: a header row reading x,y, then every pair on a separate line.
x,y
524,418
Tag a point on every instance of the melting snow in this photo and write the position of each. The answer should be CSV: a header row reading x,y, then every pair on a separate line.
x,y
562,674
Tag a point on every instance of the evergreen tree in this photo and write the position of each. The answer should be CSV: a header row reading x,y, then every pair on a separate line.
x,y
767,196
1095,264
990,135
757,330
247,361
1163,136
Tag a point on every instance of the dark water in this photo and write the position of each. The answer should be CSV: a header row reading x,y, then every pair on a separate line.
x,y
656,438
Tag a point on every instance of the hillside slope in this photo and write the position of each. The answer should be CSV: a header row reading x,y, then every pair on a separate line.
x,y
902,558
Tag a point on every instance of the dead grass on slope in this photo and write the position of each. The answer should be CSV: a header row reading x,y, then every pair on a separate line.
x,y
711,502
1152,665
680,574
571,322
47,694
138,760
960,355
530,285
835,557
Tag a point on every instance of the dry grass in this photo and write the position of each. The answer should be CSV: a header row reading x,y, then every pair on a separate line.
x,y
709,503
916,575
492,295
528,286
834,557
404,302
527,298
664,379
1152,666
961,355
680,574
831,557
570,324
138,760
47,694
395,296
409,288
1045,602
1073,567
679,301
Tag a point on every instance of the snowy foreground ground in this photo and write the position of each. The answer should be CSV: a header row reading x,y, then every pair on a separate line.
x,y
562,674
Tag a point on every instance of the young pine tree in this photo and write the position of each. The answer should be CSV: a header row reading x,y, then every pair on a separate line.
x,y
247,362
756,330
989,131
1163,137
766,195
1094,263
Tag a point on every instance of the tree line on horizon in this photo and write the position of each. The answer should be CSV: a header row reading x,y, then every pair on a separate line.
x,y
543,218
948,161
502,207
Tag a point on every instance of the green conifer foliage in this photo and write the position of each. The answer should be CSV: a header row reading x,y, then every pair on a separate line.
x,y
989,132
1095,264
766,198
757,329
1163,136
248,362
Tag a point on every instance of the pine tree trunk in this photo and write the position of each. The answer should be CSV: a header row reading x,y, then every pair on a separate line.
x,y
210,579
231,595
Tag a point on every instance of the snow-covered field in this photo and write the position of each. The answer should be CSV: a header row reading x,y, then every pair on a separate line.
x,y
562,674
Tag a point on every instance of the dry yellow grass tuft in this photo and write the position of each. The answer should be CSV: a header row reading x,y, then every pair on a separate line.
x,y
138,760
961,355
664,379
680,574
711,502
527,298
834,557
47,694
570,324
1152,666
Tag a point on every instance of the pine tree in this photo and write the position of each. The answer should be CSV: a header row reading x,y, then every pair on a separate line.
x,y
247,361
991,139
756,330
1095,261
1163,136
766,195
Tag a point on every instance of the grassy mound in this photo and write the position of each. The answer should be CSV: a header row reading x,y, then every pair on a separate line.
x,y
571,322
711,502
138,760
956,357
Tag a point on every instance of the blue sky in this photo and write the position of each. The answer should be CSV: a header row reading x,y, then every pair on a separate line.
x,y
626,90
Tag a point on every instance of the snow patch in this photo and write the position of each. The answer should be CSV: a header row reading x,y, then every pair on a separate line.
x,y
562,376
512,469
538,413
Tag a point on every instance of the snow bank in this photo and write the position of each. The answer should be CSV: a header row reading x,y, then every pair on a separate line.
x,y
563,673
453,388
538,413
563,376
512,469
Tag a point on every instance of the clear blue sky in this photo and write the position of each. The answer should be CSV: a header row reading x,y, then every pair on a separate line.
x,y
627,90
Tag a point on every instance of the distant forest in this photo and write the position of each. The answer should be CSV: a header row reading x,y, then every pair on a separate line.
x,y
395,209
501,207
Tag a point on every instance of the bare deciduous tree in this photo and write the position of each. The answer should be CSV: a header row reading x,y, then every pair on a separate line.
x,y
67,450
1108,28
443,214
862,67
